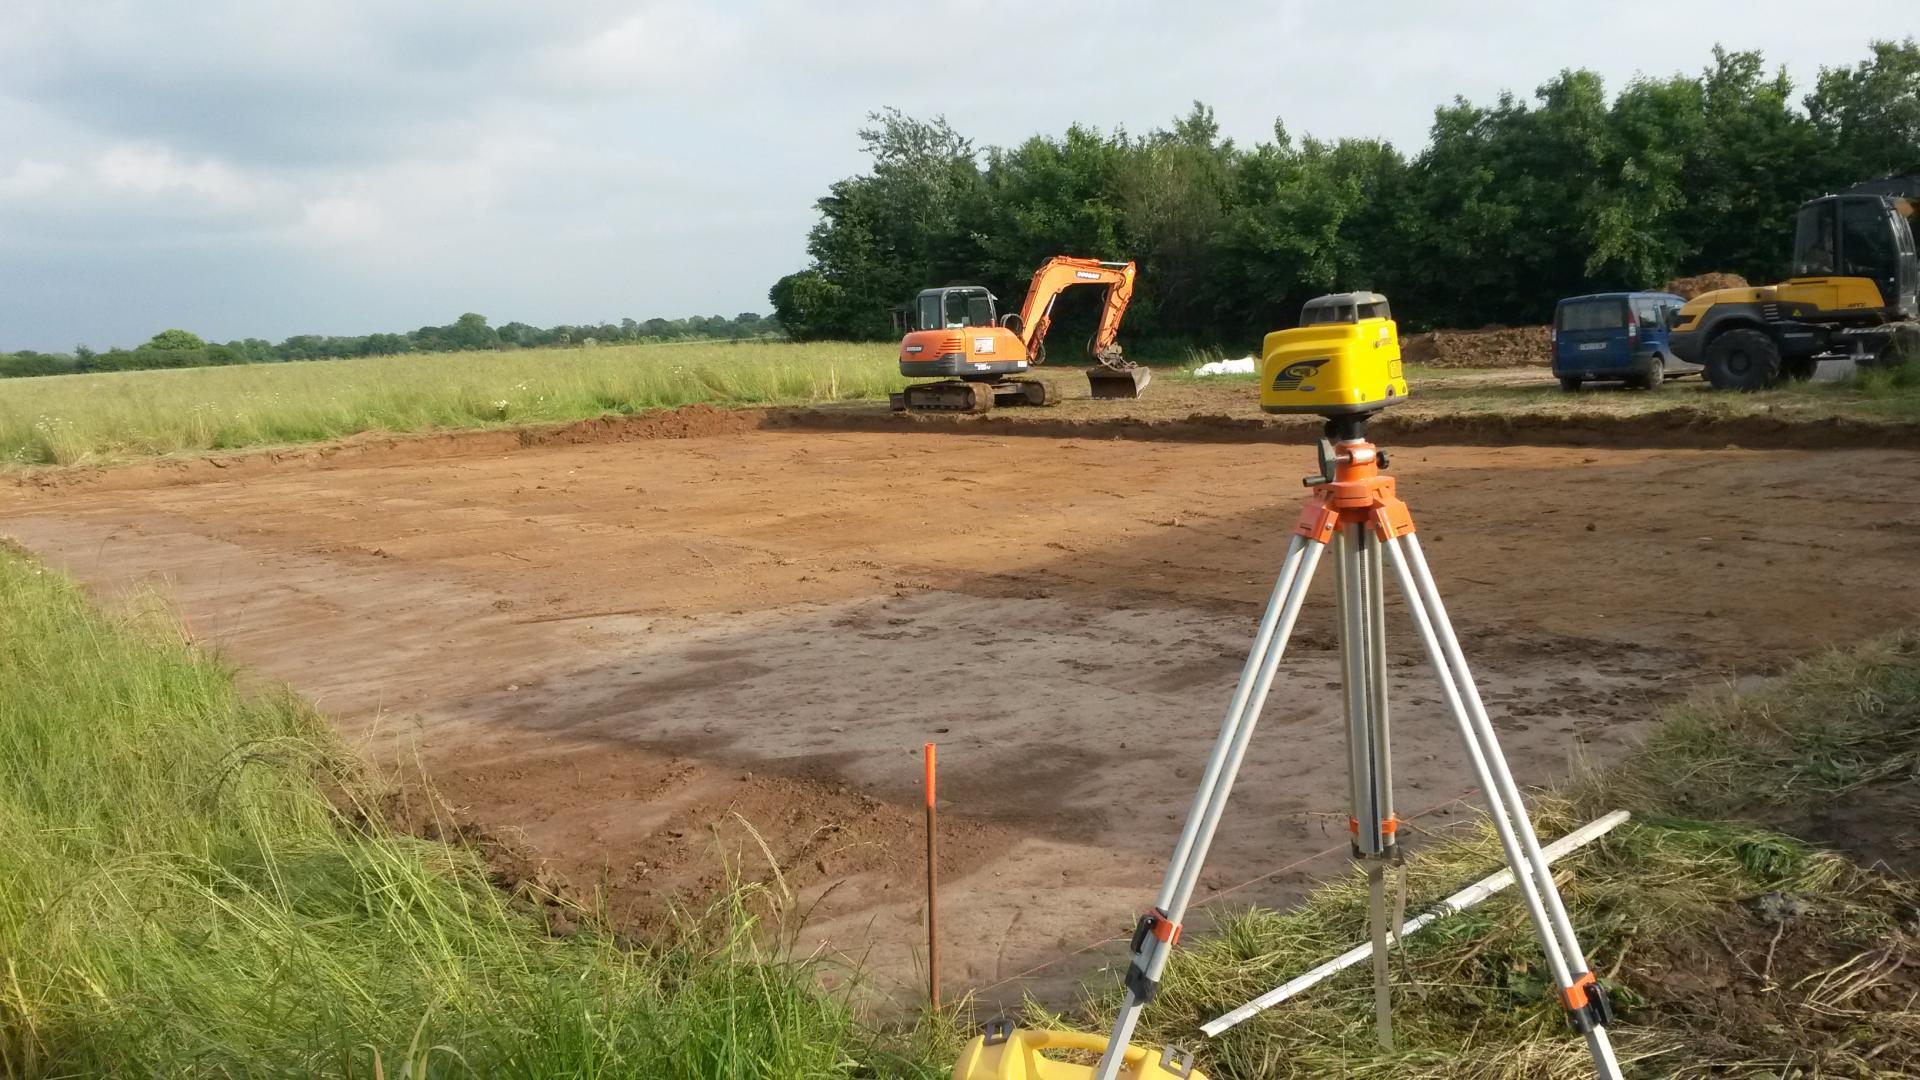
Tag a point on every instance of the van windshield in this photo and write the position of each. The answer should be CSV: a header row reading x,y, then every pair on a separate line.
x,y
1592,315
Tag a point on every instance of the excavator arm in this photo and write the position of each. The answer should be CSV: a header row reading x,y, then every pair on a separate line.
x,y
1057,275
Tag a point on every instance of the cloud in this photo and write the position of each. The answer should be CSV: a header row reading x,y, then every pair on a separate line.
x,y
341,220
156,170
30,177
663,46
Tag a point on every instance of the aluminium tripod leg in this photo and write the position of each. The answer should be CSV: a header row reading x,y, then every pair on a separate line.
x,y
1360,586
1157,930
1588,1009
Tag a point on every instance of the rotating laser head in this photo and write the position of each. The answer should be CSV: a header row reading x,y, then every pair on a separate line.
x,y
1342,360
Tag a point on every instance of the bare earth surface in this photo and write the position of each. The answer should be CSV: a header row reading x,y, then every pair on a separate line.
x,y
618,655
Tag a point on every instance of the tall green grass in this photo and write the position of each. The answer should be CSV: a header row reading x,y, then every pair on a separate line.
x,y
1893,383
81,419
180,895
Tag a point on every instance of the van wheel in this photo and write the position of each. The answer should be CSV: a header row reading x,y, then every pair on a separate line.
x,y
1571,386
1742,360
1655,375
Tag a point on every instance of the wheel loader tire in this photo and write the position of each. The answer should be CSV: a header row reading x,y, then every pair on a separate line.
x,y
1800,369
1743,360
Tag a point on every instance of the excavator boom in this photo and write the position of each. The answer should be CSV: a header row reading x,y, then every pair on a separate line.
x,y
1061,273
1112,376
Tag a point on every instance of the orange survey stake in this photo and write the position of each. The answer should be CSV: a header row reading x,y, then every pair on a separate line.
x,y
933,890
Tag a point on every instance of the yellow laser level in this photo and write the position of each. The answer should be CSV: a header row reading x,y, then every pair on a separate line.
x,y
1005,1052
1343,359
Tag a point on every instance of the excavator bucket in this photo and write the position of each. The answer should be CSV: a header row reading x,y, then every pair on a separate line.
x,y
1118,382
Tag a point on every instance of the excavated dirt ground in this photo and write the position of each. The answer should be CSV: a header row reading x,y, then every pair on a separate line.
x,y
614,656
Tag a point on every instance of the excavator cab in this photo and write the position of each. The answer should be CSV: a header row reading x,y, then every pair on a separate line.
x,y
1854,293
1864,237
956,307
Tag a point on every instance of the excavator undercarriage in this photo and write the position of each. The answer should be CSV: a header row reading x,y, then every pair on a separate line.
x,y
958,395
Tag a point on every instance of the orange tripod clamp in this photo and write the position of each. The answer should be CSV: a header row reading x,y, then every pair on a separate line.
x,y
1351,490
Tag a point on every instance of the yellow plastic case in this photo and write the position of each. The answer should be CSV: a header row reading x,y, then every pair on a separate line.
x,y
1338,363
1005,1052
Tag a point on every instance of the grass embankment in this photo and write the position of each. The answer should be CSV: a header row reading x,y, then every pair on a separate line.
x,y
1732,949
179,895
87,419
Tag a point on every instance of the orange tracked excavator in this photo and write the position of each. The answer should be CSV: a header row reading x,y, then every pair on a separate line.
x,y
956,335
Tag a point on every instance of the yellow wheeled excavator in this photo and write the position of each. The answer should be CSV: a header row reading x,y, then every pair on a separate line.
x,y
955,334
1854,293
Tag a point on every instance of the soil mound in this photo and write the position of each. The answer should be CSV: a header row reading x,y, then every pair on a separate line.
x,y
1689,287
1489,346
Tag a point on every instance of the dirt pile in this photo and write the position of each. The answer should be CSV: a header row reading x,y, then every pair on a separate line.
x,y
1489,346
1689,287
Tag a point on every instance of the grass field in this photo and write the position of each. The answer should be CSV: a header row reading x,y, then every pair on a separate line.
x,y
107,418
188,887
86,419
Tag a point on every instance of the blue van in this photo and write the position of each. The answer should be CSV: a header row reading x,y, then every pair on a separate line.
x,y
1616,337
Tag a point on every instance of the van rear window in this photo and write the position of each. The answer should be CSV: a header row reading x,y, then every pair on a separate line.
x,y
1593,315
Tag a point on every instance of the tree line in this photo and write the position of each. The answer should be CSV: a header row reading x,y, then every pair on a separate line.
x,y
1509,207
182,348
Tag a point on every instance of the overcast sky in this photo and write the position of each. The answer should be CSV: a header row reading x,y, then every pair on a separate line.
x,y
259,169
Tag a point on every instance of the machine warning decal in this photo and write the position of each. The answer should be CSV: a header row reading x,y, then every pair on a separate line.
x,y
1291,376
983,344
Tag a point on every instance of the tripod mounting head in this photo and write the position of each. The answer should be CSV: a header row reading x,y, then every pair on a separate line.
x,y
1333,447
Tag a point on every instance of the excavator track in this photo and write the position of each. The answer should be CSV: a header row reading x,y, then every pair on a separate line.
x,y
951,395
1025,392
972,397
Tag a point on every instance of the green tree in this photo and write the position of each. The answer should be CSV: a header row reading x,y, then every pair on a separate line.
x,y
1753,160
812,308
1870,113
909,223
1305,221
168,340
470,331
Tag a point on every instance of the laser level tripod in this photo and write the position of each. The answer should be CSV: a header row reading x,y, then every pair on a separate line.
x,y
1353,509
